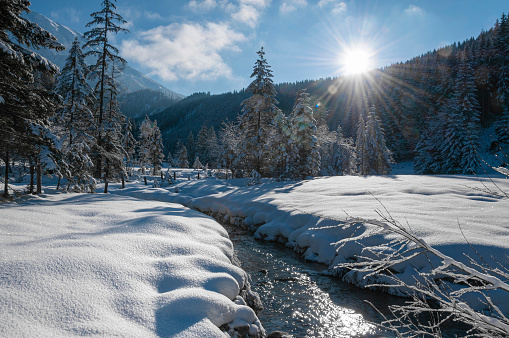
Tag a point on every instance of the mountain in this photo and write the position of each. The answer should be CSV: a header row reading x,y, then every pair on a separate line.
x,y
131,79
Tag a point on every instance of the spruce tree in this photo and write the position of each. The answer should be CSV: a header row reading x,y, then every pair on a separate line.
x,y
361,146
191,145
155,151
105,23
145,139
129,144
258,112
460,117
183,161
306,160
197,164
379,156
501,57
75,120
25,103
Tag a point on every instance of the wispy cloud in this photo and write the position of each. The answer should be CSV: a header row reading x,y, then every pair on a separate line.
x,y
414,10
289,6
202,5
335,6
184,51
66,15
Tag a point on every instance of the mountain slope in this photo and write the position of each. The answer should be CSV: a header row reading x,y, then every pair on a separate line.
x,y
131,79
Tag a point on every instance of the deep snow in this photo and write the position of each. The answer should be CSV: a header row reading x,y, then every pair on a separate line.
x,y
108,265
114,265
323,217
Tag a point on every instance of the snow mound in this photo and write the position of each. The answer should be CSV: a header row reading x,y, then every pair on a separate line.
x,y
108,265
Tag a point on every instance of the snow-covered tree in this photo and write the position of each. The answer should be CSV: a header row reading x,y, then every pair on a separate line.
x,y
197,164
280,147
258,112
191,145
151,145
305,157
361,146
341,156
24,102
129,144
75,120
155,150
105,23
379,156
230,139
460,116
183,158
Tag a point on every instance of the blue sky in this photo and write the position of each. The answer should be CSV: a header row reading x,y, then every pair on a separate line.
x,y
210,45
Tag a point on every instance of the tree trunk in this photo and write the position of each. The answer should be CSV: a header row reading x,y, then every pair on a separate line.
x,y
39,177
6,181
32,173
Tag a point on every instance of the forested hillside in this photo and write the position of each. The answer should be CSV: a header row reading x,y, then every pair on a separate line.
x,y
420,103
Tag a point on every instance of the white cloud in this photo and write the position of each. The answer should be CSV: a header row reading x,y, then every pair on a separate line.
x,y
184,51
247,12
336,7
289,6
248,15
203,5
414,10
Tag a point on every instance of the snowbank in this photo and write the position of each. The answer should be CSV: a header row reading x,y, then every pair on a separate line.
x,y
324,217
108,265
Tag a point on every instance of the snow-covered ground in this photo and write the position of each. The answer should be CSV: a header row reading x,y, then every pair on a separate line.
x,y
323,217
133,263
112,266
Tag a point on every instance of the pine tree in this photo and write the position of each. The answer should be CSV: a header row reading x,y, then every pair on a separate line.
x,y
106,23
212,148
155,151
502,66
303,136
182,159
151,145
280,147
145,135
24,102
75,120
230,139
169,160
379,156
197,164
129,144
191,145
342,155
361,146
460,116
258,112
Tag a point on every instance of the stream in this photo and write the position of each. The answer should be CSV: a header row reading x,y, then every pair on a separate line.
x,y
299,299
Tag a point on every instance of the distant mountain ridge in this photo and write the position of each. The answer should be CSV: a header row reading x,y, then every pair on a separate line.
x,y
131,80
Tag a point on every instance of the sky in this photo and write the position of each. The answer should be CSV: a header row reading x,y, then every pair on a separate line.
x,y
210,45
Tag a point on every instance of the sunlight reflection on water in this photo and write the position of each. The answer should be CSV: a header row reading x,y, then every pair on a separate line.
x,y
297,297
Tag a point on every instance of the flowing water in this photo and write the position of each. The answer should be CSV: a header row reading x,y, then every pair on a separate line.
x,y
299,299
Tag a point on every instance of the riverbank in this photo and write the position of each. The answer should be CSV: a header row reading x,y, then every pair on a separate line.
x,y
108,265
324,218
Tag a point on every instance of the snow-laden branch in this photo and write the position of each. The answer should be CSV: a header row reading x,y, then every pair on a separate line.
x,y
450,284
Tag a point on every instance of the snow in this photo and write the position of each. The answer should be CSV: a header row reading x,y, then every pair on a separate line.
x,y
108,265
324,218
136,262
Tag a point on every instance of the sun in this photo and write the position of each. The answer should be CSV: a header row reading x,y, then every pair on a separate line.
x,y
356,60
